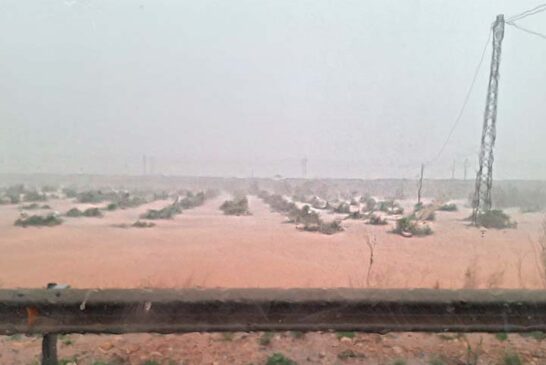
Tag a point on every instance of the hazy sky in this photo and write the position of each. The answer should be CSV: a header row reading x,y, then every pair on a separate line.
x,y
361,88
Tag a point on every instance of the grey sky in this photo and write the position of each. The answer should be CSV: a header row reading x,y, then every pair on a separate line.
x,y
362,88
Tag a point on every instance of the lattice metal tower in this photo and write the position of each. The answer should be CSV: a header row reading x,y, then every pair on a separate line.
x,y
484,176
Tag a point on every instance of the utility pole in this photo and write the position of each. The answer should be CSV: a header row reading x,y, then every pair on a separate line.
x,y
143,164
420,186
484,176
152,165
465,167
453,171
304,167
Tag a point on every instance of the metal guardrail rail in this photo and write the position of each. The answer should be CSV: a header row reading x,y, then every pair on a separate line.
x,y
53,311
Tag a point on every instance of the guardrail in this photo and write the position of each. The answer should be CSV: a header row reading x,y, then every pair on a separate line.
x,y
53,311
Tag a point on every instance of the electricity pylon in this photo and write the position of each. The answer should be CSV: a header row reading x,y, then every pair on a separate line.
x,y
484,176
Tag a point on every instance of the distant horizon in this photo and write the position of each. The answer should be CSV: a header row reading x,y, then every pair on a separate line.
x,y
281,177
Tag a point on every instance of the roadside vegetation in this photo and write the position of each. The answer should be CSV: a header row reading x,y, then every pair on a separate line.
x,y
279,359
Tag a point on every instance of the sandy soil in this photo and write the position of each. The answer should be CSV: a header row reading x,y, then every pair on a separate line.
x,y
202,247
253,348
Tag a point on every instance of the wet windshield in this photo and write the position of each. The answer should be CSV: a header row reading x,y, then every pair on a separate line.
x,y
272,145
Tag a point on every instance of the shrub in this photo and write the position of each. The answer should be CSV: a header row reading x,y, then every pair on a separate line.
x,y
501,336
376,220
92,212
74,212
192,201
128,201
390,207
34,196
160,195
383,206
409,226
89,212
348,334
112,206
70,192
10,199
342,208
297,334
494,219
94,196
350,354
318,203
511,358
395,210
48,220
143,224
279,359
238,206
424,212
304,216
34,206
370,204
448,208
330,227
167,212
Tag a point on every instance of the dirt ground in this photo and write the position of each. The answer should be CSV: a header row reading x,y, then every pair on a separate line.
x,y
203,248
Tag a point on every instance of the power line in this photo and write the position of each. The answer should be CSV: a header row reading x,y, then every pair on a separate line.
x,y
465,102
527,30
537,9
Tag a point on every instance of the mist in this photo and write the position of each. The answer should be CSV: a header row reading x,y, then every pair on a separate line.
x,y
245,88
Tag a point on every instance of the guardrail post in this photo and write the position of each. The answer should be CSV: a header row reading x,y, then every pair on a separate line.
x,y
49,341
49,349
